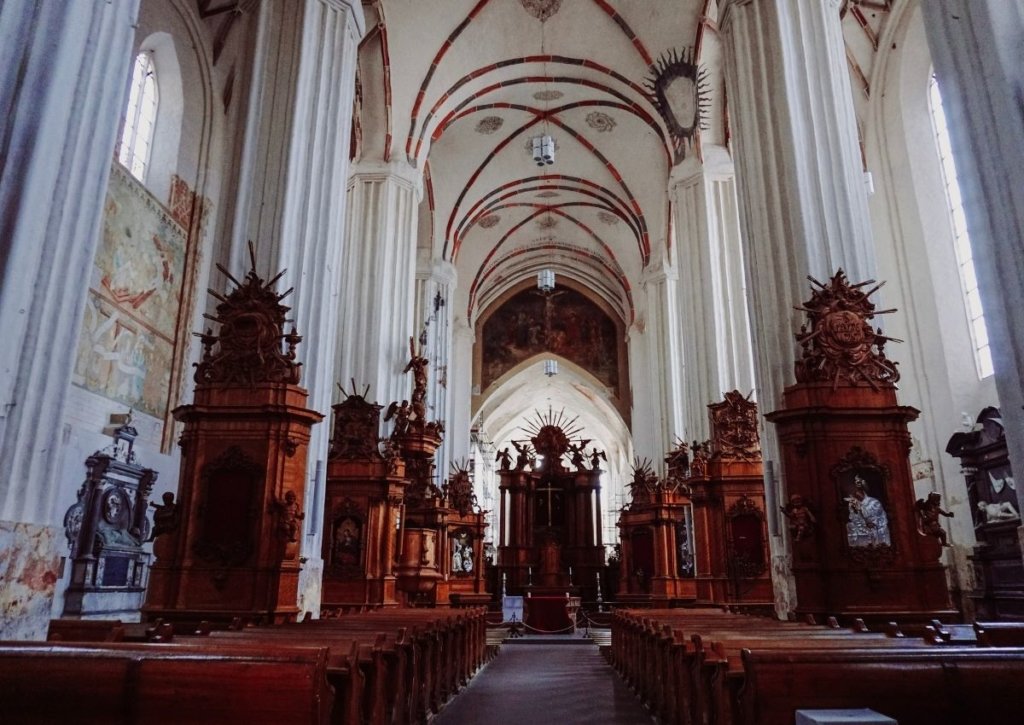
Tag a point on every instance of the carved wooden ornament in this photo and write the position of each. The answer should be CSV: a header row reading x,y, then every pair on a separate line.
x,y
840,344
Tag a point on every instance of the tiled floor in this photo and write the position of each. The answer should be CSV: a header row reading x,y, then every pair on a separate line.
x,y
545,683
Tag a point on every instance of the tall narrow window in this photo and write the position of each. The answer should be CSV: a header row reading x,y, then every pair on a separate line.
x,y
139,118
962,242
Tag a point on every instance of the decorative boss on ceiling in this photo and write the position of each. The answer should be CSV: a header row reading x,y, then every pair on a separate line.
x,y
541,9
679,89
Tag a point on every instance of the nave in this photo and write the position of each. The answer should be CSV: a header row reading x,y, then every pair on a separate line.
x,y
545,679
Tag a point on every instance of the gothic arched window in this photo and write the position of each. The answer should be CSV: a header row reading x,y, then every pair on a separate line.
x,y
139,118
961,241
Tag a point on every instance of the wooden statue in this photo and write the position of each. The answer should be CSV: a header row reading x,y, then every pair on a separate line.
x,y
243,470
845,448
928,512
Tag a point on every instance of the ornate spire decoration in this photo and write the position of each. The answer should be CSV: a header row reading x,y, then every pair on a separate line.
x,y
249,349
459,490
356,427
734,428
841,345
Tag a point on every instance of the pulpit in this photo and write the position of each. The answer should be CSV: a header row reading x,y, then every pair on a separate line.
x,y
235,552
857,545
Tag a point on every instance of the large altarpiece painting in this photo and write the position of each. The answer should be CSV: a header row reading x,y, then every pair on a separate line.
x,y
564,322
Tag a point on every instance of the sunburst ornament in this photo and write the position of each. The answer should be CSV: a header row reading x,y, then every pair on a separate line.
x,y
679,90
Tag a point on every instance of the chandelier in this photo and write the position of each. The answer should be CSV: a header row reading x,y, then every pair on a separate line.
x,y
546,281
543,150
550,367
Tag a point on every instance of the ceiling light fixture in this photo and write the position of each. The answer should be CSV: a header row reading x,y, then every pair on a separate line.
x,y
546,281
543,150
550,367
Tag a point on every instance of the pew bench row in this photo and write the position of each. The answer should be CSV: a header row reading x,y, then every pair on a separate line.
x,y
698,666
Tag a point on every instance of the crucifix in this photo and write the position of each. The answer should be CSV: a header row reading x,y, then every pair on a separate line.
x,y
550,490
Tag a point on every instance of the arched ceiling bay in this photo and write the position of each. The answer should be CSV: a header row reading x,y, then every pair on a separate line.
x,y
471,82
462,86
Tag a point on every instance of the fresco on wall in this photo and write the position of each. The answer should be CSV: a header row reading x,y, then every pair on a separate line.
x,y
126,348
564,322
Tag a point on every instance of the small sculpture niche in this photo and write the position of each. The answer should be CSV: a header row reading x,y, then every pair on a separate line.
x,y
863,509
463,564
746,539
347,545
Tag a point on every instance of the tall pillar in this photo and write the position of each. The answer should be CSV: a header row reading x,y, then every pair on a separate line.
x,y
380,267
803,202
63,74
290,200
712,285
976,51
461,387
656,365
435,280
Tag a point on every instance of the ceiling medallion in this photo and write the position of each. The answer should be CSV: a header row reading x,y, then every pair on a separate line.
x,y
679,90
608,218
541,9
548,95
489,125
547,195
600,122
547,222
489,221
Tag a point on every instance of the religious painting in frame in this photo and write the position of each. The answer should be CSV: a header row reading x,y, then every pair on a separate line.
x,y
863,507
564,322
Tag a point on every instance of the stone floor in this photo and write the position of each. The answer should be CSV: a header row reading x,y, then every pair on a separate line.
x,y
544,681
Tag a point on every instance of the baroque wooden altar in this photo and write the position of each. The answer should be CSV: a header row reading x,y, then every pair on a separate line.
x,y
548,541
854,540
235,550
363,502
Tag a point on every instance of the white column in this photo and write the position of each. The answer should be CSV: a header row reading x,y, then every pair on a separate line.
x,y
660,379
712,287
803,201
63,73
976,51
435,280
460,386
290,200
380,270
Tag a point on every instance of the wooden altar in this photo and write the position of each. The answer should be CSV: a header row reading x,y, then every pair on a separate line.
x,y
364,496
548,542
857,544
235,549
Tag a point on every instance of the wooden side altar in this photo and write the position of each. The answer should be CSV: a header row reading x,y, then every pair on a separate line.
x,y
234,549
861,546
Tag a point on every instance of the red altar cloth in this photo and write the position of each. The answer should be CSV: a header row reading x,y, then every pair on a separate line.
x,y
552,614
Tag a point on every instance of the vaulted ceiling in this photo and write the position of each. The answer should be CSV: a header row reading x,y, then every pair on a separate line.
x,y
458,88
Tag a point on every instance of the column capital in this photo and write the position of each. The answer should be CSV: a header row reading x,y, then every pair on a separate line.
x,y
354,12
658,271
374,170
440,270
717,163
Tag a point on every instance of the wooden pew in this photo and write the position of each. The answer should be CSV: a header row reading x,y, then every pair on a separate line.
x,y
85,630
925,686
1000,634
154,684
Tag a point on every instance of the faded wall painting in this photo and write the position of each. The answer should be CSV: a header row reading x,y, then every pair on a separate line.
x,y
564,322
126,348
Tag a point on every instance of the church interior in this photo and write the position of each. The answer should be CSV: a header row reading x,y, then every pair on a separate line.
x,y
366,355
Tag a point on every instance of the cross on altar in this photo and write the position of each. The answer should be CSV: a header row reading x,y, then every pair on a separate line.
x,y
550,490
